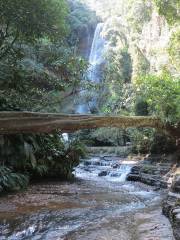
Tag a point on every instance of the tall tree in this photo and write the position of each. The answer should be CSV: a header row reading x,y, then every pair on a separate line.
x,y
28,20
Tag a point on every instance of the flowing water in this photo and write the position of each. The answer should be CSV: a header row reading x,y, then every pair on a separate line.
x,y
94,73
99,204
96,57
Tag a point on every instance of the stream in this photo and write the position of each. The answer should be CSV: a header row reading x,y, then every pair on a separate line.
x,y
99,204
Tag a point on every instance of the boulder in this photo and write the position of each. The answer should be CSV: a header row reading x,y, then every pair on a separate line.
x,y
115,165
171,209
103,173
175,187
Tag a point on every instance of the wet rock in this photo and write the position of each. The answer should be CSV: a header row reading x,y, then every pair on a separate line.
x,y
150,179
94,163
133,177
87,169
87,163
103,173
171,209
176,184
152,171
153,226
115,165
115,174
135,169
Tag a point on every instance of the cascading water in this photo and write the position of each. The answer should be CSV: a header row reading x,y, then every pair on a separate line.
x,y
97,167
100,206
65,137
96,59
110,169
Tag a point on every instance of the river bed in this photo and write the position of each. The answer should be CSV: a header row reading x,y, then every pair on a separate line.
x,y
99,204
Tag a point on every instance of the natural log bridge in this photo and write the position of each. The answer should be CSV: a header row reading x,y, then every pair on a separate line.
x,y
34,122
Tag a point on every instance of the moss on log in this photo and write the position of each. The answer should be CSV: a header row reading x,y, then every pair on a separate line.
x,y
32,122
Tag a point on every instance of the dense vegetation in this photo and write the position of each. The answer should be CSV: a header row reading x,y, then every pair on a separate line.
x,y
43,68
39,71
133,82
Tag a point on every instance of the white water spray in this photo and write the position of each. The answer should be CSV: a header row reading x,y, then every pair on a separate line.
x,y
96,59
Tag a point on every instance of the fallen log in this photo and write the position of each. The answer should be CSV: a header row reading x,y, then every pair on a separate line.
x,y
34,122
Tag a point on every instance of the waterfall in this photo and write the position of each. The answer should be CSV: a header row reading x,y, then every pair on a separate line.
x,y
96,59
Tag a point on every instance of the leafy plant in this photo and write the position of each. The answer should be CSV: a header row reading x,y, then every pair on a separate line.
x,y
162,94
174,49
10,181
169,9
38,156
29,20
141,139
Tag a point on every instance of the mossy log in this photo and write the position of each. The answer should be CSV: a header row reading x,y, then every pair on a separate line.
x,y
32,122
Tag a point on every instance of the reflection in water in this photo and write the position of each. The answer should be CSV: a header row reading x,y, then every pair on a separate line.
x,y
99,204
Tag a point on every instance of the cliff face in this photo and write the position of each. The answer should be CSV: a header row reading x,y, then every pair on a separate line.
x,y
82,21
85,41
147,38
148,49
154,41
136,26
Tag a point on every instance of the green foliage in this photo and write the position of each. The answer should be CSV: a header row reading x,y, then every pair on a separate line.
x,y
141,139
139,12
141,107
141,64
117,77
10,181
119,65
103,137
57,156
150,141
41,76
109,137
162,144
38,70
82,21
169,9
119,99
174,49
29,20
162,94
36,156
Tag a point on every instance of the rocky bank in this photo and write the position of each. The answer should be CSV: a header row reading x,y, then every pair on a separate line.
x,y
162,171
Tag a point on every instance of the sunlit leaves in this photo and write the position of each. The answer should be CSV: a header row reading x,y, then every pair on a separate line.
x,y
32,19
169,9
162,93
174,49
46,71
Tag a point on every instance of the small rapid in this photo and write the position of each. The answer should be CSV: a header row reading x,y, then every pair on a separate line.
x,y
104,169
98,205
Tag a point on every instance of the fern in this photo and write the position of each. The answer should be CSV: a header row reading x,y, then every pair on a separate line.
x,y
10,181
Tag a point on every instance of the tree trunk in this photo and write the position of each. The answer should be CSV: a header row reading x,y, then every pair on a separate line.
x,y
31,122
